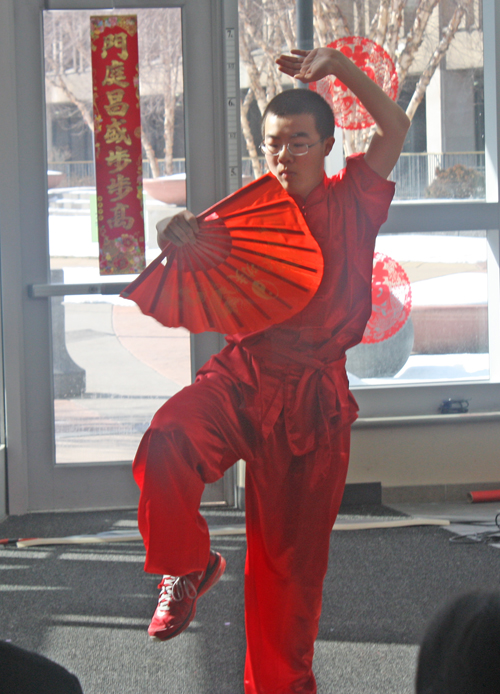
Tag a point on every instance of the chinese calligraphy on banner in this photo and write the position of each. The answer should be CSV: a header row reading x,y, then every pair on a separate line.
x,y
117,142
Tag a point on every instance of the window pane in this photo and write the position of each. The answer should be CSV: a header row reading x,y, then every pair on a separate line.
x,y
446,335
441,85
112,366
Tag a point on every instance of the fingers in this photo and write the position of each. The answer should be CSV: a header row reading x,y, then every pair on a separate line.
x,y
308,66
297,57
179,230
291,64
296,65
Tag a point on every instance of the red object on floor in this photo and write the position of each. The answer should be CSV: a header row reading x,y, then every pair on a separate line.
x,y
255,263
486,495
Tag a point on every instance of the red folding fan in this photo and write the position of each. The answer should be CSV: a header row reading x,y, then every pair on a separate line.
x,y
350,114
254,264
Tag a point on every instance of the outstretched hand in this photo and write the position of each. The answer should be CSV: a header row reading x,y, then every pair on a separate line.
x,y
307,66
178,230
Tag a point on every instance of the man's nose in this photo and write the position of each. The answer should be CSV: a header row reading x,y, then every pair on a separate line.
x,y
284,154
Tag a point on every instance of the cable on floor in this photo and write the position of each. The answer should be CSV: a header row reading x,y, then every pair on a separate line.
x,y
485,537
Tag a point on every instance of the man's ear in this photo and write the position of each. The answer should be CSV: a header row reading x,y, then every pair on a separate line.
x,y
328,144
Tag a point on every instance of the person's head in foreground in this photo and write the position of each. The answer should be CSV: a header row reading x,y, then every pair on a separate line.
x,y
460,652
297,132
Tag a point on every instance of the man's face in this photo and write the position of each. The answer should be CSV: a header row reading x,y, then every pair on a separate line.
x,y
298,175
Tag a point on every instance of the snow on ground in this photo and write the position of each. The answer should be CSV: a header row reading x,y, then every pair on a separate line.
x,y
427,248
461,289
434,367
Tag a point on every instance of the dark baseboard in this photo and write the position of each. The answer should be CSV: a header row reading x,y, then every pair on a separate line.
x,y
432,493
240,498
361,494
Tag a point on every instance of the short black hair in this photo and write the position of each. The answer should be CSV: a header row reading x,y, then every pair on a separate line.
x,y
293,102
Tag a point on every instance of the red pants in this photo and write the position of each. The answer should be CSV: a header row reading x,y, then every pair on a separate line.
x,y
290,512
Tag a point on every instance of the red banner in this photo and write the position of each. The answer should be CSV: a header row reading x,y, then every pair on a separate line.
x,y
117,142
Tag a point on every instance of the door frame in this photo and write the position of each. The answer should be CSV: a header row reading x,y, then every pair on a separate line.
x,y
34,482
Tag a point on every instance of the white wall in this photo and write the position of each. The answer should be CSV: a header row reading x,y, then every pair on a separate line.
x,y
433,456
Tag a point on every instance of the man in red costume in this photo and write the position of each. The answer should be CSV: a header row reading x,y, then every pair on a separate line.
x,y
277,398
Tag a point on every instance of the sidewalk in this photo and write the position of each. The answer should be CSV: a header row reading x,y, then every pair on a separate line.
x,y
132,366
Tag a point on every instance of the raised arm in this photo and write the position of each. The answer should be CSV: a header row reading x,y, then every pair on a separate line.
x,y
392,122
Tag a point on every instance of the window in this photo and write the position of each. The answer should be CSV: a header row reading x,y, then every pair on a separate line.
x,y
445,335
442,229
101,418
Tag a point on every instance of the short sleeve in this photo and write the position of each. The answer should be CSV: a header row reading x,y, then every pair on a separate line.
x,y
372,193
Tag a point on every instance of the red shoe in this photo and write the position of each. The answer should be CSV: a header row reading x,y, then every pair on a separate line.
x,y
178,595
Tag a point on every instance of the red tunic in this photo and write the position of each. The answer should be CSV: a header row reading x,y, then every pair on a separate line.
x,y
298,366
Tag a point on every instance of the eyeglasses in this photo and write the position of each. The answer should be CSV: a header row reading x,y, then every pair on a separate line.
x,y
296,149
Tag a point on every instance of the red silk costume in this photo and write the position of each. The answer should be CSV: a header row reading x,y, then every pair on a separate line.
x,y
278,399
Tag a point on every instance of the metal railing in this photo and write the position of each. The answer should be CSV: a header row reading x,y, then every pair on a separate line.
x,y
78,174
413,173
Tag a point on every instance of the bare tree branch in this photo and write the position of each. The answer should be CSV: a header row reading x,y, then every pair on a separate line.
x,y
394,26
434,61
161,73
150,154
253,73
321,26
329,21
415,37
67,50
359,18
247,133
382,23
373,24
286,18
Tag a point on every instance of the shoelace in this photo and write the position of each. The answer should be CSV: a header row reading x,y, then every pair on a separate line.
x,y
174,588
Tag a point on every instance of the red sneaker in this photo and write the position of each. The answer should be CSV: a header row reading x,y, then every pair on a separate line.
x,y
178,595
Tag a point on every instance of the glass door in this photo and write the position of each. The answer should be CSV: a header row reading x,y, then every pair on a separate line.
x,y
112,366
94,369
3,467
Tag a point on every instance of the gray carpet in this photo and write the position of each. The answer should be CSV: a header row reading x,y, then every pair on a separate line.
x,y
88,607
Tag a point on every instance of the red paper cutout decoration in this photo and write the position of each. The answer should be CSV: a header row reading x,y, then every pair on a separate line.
x,y
350,114
391,299
255,263
117,144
